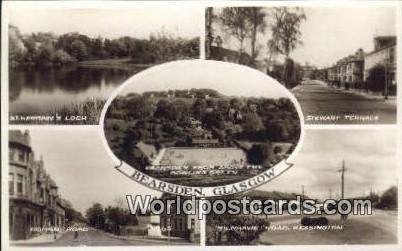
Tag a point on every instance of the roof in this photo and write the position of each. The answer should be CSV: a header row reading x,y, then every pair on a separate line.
x,y
16,136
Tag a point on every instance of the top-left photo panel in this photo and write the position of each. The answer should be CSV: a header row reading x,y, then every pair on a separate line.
x,y
65,61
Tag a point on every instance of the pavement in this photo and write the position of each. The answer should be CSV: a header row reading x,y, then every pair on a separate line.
x,y
40,239
95,237
323,104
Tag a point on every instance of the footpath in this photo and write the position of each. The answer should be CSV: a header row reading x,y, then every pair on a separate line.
x,y
40,239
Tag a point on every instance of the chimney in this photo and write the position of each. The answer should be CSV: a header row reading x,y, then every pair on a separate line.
x,y
27,137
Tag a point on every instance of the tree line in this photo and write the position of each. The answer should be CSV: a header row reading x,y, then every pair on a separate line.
x,y
248,23
47,49
110,219
166,122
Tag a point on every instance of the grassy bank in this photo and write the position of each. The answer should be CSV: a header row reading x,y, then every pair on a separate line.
x,y
90,108
117,63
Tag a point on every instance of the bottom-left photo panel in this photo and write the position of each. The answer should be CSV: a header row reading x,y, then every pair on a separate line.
x,y
64,191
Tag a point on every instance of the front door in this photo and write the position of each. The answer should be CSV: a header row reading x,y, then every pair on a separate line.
x,y
19,228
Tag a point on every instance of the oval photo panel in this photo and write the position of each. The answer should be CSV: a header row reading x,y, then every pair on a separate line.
x,y
201,127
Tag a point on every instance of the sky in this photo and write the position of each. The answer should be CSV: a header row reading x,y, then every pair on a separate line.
x,y
135,21
370,160
79,164
228,79
329,34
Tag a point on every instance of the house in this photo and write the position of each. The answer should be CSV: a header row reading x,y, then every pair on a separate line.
x,y
34,198
371,71
383,56
354,69
182,225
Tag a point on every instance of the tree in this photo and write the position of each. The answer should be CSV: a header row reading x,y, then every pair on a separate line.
x,y
45,55
389,198
96,216
209,15
79,50
198,107
286,34
72,215
258,154
256,18
253,228
61,57
236,23
16,46
252,124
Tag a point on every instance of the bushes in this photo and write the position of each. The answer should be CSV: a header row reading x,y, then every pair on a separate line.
x,y
308,221
241,230
47,49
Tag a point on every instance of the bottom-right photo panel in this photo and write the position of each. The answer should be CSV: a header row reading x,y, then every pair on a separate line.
x,y
342,189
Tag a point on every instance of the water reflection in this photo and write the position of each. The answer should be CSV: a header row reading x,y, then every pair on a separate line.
x,y
39,91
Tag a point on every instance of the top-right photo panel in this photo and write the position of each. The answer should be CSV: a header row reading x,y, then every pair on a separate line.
x,y
340,63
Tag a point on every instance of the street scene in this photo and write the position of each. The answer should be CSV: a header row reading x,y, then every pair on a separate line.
x,y
321,102
343,74
58,202
328,167
94,237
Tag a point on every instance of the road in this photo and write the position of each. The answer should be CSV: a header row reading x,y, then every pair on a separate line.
x,y
94,237
378,228
322,104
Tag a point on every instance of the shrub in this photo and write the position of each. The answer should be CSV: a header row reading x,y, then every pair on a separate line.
x,y
309,221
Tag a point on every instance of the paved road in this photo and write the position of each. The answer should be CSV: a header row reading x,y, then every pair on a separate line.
x,y
378,228
319,101
95,237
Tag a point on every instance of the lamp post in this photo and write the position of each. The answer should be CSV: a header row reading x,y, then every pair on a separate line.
x,y
386,77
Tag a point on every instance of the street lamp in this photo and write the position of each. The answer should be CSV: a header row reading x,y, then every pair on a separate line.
x,y
386,76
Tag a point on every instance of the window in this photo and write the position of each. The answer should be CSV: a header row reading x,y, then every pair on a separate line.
x,y
21,156
20,183
392,55
11,154
42,194
192,226
11,183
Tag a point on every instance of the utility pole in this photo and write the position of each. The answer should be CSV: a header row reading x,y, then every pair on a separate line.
x,y
330,193
303,192
342,171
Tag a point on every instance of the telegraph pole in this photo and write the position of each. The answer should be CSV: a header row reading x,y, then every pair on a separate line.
x,y
303,192
342,170
386,77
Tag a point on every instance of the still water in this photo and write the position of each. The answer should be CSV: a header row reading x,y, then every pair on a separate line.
x,y
39,91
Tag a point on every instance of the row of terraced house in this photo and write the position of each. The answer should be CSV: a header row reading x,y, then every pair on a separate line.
x,y
35,205
374,71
